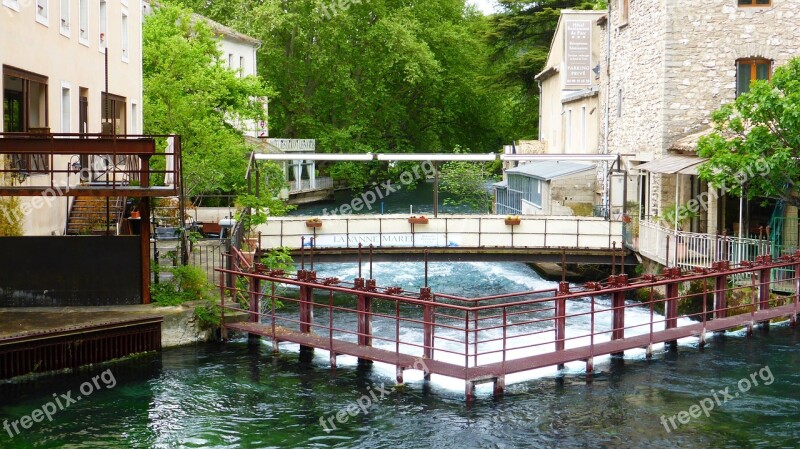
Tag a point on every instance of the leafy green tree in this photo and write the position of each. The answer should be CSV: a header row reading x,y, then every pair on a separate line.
x,y
188,91
380,76
467,183
756,140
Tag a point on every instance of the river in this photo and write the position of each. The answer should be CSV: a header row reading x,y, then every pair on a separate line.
x,y
241,395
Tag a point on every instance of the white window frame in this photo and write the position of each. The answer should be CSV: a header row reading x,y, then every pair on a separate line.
x,y
583,129
83,22
66,17
11,4
124,41
102,26
134,119
43,12
66,125
568,132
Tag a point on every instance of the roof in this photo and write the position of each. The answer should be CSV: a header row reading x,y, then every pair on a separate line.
x,y
549,169
262,145
220,29
673,164
689,142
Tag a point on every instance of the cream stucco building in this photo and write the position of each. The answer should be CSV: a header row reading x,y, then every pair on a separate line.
x,y
53,57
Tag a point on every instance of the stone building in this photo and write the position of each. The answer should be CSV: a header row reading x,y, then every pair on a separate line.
x,y
671,64
546,188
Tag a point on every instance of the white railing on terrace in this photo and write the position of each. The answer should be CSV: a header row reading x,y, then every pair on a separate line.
x,y
305,184
690,249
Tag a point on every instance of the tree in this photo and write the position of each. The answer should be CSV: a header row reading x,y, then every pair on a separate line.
x,y
466,182
188,91
755,144
378,76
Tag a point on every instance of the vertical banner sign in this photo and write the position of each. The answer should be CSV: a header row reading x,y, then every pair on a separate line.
x,y
578,51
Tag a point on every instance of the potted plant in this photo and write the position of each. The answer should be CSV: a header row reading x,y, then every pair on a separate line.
x,y
513,220
314,223
418,220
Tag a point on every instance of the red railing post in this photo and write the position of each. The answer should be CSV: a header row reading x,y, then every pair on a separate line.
x,y
560,317
427,322
721,290
255,296
306,303
364,310
671,303
618,304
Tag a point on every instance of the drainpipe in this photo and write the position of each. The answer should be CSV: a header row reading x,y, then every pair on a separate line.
x,y
539,83
606,200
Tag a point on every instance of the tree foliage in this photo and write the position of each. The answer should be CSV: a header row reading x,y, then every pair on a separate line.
x,y
188,91
756,140
466,182
379,76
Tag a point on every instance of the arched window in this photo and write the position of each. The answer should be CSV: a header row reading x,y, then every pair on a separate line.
x,y
749,70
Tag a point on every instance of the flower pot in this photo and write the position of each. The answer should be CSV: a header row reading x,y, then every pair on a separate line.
x,y
513,221
313,223
418,220
135,215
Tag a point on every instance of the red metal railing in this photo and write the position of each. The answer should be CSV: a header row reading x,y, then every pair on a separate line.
x,y
488,337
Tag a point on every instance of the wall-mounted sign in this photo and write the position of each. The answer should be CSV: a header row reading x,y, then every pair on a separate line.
x,y
578,54
294,145
398,240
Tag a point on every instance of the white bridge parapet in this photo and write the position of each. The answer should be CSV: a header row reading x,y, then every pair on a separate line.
x,y
466,231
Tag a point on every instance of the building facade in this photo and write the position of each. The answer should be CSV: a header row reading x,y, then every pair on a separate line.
x,y
672,63
53,57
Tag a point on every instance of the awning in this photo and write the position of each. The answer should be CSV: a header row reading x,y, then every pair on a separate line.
x,y
672,164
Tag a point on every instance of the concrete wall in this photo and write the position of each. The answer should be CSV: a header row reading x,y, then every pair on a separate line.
x,y
70,61
460,230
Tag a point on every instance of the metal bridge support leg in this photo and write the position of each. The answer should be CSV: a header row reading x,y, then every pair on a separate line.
x,y
561,326
499,386
427,325
671,306
255,299
720,298
763,293
364,306
618,333
306,313
469,391
589,368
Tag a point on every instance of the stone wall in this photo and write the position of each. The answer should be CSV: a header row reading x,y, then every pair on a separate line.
x,y
636,79
704,40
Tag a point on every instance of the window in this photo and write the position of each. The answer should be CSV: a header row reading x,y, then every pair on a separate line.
x,y
65,4
568,132
134,118
11,4
125,37
619,103
583,129
230,60
114,120
749,70
24,109
84,22
241,66
42,11
755,2
103,26
66,111
624,11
